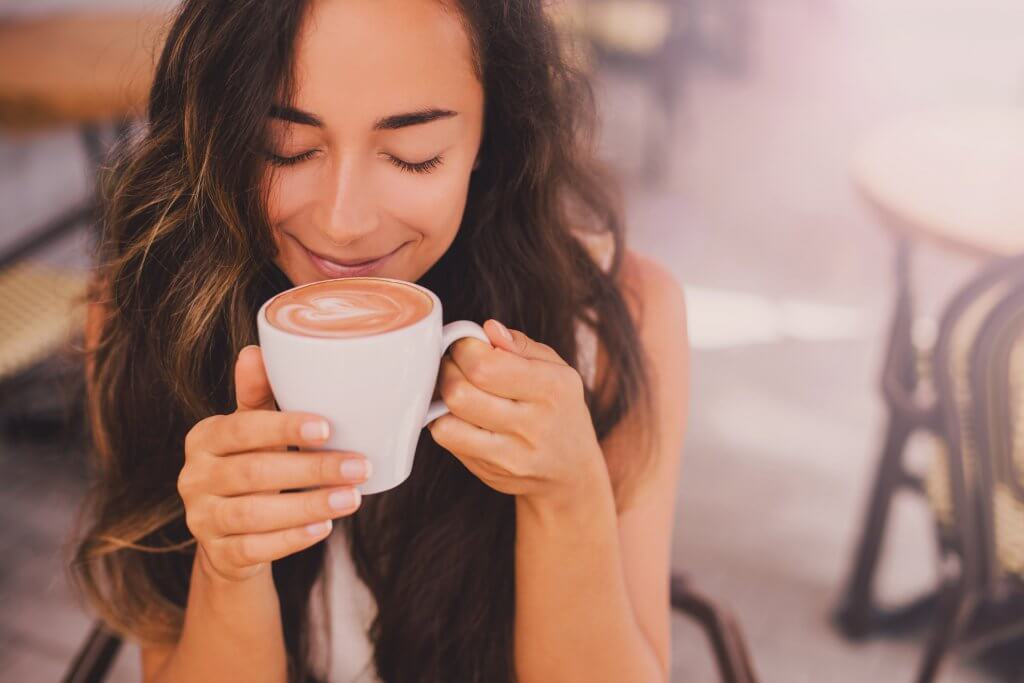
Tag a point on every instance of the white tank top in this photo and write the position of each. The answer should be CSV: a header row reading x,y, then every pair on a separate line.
x,y
348,657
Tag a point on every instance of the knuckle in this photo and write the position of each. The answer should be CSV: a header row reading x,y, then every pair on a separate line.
x,y
572,379
439,427
315,507
193,520
326,467
244,551
251,473
195,436
477,372
455,393
186,481
231,515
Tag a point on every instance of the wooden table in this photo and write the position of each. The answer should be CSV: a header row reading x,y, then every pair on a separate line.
x,y
952,178
76,68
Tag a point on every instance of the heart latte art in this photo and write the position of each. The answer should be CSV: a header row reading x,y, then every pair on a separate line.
x,y
348,307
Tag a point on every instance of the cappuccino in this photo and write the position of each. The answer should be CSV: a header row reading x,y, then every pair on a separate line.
x,y
348,307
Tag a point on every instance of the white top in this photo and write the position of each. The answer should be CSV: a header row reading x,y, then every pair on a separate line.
x,y
348,658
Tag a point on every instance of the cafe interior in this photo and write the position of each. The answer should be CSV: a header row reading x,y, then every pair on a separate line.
x,y
837,185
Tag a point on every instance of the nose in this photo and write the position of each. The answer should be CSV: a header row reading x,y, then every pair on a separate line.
x,y
350,207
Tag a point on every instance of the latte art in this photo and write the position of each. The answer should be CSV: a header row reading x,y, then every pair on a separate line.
x,y
348,307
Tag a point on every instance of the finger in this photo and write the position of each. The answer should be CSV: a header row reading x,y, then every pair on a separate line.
x,y
256,430
252,388
476,406
249,549
463,438
274,471
519,343
263,512
504,373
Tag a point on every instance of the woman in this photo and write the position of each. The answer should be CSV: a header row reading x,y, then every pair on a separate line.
x,y
531,540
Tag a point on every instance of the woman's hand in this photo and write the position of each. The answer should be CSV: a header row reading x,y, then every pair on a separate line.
x,y
236,466
518,419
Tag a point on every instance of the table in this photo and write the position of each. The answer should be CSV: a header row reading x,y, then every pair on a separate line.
x,y
76,68
952,178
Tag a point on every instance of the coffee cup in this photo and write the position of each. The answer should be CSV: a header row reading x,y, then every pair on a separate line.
x,y
364,352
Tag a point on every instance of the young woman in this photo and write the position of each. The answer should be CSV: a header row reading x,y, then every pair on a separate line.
x,y
450,143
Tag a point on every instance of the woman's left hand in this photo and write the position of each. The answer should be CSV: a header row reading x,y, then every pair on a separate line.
x,y
518,417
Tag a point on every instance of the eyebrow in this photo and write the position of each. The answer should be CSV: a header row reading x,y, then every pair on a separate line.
x,y
391,122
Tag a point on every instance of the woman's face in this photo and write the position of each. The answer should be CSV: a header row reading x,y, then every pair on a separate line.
x,y
381,141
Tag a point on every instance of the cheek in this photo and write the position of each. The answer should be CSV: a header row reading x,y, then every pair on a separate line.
x,y
432,206
287,194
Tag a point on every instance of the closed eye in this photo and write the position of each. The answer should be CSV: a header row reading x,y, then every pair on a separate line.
x,y
418,167
289,161
410,167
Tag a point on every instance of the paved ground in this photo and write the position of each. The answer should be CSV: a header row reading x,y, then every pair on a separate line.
x,y
788,287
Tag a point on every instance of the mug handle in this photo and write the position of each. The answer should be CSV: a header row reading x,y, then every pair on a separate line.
x,y
451,333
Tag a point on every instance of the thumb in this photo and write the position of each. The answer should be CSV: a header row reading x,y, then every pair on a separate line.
x,y
252,388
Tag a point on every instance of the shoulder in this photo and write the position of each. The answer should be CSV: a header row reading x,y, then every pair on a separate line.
x,y
657,305
654,296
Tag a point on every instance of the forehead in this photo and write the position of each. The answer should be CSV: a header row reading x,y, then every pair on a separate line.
x,y
359,59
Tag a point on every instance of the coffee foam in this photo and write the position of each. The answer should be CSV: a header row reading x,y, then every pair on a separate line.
x,y
348,307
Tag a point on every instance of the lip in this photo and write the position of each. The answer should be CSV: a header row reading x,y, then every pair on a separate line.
x,y
334,270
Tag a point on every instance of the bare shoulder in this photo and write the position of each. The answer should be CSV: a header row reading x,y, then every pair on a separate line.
x,y
657,305
654,296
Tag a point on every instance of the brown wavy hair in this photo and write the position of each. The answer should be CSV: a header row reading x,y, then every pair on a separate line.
x,y
186,258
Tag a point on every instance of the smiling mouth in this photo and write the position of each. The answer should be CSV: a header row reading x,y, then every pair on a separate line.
x,y
351,264
331,268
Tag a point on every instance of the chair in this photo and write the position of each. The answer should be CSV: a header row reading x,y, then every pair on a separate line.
x,y
910,172
982,395
979,594
97,652
91,71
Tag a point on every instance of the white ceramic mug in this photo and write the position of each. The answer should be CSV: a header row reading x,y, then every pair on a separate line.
x,y
374,390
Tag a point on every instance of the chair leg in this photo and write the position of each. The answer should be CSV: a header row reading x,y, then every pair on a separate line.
x,y
721,628
92,661
956,609
857,611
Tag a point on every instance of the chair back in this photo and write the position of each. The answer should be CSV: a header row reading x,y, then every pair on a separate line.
x,y
997,384
953,481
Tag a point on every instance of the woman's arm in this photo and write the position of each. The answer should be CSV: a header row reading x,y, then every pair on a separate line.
x,y
232,632
592,599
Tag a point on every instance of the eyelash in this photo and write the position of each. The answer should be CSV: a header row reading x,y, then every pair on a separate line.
x,y
421,167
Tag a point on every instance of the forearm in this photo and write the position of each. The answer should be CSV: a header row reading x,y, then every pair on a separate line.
x,y
232,632
574,620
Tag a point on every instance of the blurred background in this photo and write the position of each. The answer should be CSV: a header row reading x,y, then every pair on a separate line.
x,y
838,185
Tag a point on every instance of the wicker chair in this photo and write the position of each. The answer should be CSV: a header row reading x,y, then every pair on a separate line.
x,y
967,491
90,71
983,398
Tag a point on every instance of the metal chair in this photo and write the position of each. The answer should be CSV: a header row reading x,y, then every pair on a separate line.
x,y
983,396
954,484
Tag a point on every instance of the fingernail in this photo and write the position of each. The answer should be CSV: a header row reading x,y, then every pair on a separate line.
x,y
353,469
344,499
317,528
503,330
314,430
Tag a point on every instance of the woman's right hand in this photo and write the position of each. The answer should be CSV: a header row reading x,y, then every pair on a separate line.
x,y
236,466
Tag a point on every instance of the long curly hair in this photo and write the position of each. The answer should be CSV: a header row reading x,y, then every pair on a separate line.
x,y
186,258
